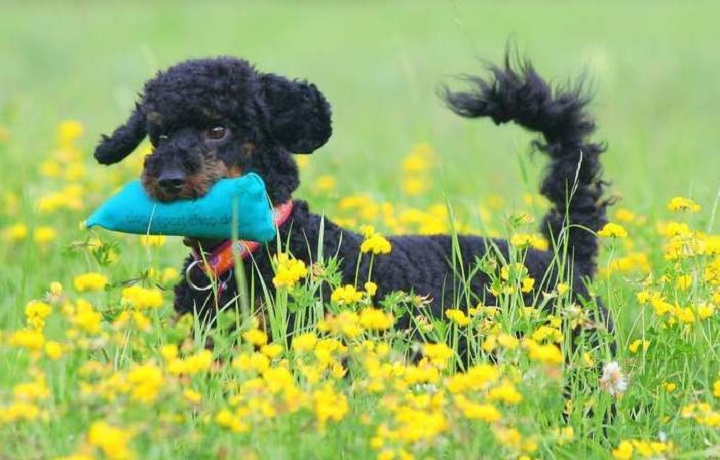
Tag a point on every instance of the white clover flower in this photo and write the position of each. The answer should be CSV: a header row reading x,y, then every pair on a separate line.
x,y
612,379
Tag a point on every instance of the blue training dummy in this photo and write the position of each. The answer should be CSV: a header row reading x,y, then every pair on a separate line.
x,y
242,200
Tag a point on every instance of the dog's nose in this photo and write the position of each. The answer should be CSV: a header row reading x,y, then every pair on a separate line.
x,y
171,181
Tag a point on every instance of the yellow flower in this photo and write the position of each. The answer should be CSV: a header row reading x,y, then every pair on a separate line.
x,y
32,339
438,353
346,295
457,316
346,323
633,347
304,342
367,231
681,204
256,362
19,410
627,449
329,405
56,289
514,271
532,240
142,322
169,352
624,451
86,318
611,230
141,298
543,333
373,319
36,312
371,288
191,365
475,411
325,184
111,441
90,281
68,131
147,381
490,343
527,284
288,271
562,288
414,186
624,215
53,350
684,282
16,232
506,393
44,234
152,240
232,422
716,388
376,243
416,163
509,437
272,350
169,274
547,354
33,391
255,337
508,341
192,396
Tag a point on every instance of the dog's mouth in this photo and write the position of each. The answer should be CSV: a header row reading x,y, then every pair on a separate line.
x,y
174,184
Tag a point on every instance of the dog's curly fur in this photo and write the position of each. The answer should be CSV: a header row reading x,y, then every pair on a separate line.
x,y
211,118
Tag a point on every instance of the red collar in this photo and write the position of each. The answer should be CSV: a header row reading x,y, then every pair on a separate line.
x,y
222,259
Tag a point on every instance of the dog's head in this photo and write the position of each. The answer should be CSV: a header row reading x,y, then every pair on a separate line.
x,y
214,118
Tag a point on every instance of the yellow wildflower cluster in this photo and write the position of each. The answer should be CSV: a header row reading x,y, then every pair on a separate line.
x,y
674,313
513,277
702,413
683,204
110,440
533,240
374,242
141,298
25,403
288,271
91,281
346,295
612,230
637,448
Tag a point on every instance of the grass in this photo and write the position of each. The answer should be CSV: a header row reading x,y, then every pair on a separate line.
x,y
118,390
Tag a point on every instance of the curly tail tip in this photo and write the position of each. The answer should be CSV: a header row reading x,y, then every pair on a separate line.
x,y
572,181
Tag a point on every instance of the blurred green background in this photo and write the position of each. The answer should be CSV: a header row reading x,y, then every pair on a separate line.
x,y
654,67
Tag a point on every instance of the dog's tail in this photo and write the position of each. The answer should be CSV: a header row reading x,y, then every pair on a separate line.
x,y
572,181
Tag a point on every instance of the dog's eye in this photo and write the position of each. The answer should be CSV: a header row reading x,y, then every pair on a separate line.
x,y
217,133
162,138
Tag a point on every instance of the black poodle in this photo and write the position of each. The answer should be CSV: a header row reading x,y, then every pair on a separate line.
x,y
214,118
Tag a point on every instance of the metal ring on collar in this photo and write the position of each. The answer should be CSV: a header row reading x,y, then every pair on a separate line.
x,y
190,266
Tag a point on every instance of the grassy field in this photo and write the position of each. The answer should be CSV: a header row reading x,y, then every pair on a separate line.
x,y
91,369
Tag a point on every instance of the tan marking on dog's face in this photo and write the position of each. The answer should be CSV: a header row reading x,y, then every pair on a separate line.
x,y
195,186
234,171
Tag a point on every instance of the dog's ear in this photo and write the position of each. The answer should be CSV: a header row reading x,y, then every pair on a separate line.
x,y
123,140
299,116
